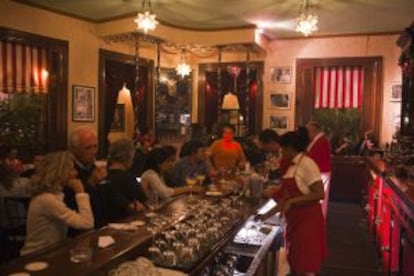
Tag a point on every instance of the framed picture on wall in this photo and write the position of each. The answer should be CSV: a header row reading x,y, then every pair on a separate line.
x,y
281,75
118,121
279,122
396,93
83,103
279,100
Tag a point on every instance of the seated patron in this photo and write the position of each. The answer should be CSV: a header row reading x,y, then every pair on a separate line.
x,y
367,144
37,160
141,155
83,143
269,142
11,185
226,153
125,195
48,216
194,163
254,154
13,162
160,161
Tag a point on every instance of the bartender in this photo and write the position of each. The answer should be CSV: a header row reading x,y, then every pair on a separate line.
x,y
298,199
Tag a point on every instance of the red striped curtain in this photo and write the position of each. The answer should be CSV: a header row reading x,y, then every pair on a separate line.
x,y
338,87
23,68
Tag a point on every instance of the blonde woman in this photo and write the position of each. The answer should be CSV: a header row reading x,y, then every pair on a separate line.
x,y
48,216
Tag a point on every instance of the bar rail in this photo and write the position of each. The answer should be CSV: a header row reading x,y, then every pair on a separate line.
x,y
128,245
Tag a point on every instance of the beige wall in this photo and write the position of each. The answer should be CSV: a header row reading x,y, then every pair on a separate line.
x,y
285,53
84,44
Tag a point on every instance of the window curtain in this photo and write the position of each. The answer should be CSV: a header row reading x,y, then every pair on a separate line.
x,y
23,68
338,87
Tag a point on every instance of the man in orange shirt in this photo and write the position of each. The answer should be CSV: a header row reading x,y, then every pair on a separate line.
x,y
226,153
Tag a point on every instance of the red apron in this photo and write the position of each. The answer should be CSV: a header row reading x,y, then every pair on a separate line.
x,y
305,231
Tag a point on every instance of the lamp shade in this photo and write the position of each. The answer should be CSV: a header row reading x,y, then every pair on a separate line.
x,y
230,102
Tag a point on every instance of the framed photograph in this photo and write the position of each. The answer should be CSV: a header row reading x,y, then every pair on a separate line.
x,y
118,121
279,122
280,100
281,75
396,93
83,103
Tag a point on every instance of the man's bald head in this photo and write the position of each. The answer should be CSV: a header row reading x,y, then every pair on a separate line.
x,y
83,142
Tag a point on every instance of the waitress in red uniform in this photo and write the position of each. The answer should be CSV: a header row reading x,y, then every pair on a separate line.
x,y
298,199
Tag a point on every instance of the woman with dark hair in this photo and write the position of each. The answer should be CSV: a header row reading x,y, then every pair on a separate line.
x,y
159,163
298,199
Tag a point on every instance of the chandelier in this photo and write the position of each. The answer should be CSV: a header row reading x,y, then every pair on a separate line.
x,y
182,68
306,22
145,19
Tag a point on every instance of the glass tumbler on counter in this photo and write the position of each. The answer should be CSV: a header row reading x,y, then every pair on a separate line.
x,y
80,254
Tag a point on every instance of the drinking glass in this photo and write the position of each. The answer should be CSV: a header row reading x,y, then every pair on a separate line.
x,y
200,178
155,253
80,254
191,181
170,258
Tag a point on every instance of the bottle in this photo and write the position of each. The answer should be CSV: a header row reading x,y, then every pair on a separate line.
x,y
256,187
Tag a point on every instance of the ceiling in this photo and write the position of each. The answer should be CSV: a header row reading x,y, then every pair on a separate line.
x,y
275,17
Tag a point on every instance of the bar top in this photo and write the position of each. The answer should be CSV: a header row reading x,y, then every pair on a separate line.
x,y
128,244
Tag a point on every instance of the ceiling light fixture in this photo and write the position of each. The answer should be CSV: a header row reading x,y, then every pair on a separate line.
x,y
306,22
145,19
183,69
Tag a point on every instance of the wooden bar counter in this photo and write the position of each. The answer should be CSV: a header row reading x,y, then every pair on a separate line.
x,y
390,209
128,245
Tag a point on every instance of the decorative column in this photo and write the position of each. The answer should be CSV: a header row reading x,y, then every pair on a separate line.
x,y
137,133
406,61
247,117
219,92
158,68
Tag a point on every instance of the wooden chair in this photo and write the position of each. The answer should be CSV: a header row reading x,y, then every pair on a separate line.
x,y
13,231
16,214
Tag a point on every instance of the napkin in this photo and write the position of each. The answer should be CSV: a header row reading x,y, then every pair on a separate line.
x,y
105,241
169,272
122,226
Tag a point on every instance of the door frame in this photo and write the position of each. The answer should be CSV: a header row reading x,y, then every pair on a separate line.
x,y
213,67
105,55
372,97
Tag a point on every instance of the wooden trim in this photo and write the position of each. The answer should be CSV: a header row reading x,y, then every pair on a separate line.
x,y
8,34
372,97
316,36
